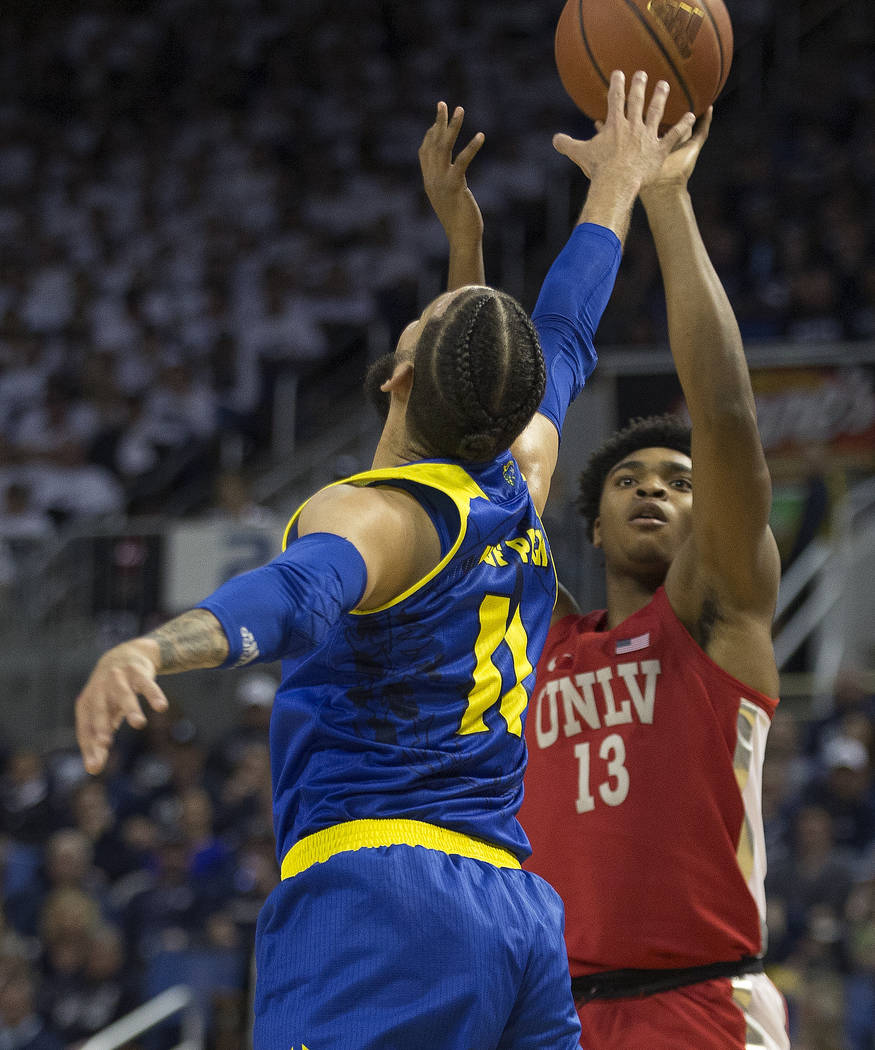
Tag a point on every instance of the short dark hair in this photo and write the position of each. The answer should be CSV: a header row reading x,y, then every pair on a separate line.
x,y
666,431
478,377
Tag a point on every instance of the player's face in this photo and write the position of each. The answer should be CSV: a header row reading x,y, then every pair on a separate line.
x,y
645,512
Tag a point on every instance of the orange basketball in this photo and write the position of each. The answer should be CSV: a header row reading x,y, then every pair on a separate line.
x,y
687,43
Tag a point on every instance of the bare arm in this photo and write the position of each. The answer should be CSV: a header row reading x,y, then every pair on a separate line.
x,y
447,189
626,151
192,641
732,550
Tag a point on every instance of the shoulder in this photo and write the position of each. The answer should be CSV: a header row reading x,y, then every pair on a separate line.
x,y
357,507
693,586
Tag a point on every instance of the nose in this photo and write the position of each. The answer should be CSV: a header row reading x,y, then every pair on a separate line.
x,y
652,489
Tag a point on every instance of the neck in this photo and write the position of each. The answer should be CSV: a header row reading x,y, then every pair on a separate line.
x,y
627,594
393,449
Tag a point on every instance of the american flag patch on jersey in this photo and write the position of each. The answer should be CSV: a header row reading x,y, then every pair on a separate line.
x,y
632,645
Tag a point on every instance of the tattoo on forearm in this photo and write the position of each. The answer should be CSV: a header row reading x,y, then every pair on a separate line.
x,y
190,641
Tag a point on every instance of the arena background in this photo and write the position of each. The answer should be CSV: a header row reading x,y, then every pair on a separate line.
x,y
211,220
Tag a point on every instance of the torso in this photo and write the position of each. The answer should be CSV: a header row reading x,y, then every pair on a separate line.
x,y
642,793
414,708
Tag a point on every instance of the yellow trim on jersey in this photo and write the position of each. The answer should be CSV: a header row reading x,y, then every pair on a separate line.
x,y
369,834
550,554
454,481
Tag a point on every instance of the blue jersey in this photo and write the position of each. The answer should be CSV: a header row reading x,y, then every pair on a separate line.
x,y
416,709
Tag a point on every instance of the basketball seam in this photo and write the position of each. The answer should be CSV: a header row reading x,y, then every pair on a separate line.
x,y
716,29
636,11
585,39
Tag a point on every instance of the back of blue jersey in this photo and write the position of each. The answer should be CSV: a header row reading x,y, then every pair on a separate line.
x,y
416,709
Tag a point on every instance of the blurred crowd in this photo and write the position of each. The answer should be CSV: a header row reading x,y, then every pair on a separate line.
x,y
116,888
184,215
819,817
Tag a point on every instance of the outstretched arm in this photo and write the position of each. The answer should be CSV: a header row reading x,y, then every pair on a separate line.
x,y
732,550
356,547
625,152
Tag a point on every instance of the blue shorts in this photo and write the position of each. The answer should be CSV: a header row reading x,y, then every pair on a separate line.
x,y
406,948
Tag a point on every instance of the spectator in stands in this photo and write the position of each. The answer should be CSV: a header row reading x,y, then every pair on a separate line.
x,y
210,861
843,789
26,810
850,698
108,991
860,981
67,864
807,887
117,848
233,504
244,798
21,1028
21,521
69,920
168,914
254,694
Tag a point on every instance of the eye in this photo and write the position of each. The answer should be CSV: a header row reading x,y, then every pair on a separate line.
x,y
625,481
682,484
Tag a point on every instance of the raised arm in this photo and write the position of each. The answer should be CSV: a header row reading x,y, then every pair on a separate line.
x,y
446,186
625,152
732,553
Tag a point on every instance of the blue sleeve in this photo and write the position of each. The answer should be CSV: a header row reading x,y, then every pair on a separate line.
x,y
573,298
289,606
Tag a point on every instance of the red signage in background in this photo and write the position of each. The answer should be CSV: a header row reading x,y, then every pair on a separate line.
x,y
818,429
797,408
830,407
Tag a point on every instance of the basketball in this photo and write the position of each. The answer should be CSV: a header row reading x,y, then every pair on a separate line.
x,y
687,43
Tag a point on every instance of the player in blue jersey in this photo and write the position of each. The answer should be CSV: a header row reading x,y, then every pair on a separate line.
x,y
410,606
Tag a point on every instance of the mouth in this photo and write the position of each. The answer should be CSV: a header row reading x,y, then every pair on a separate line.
x,y
649,514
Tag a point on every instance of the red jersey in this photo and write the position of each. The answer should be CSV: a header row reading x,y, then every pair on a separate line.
x,y
642,796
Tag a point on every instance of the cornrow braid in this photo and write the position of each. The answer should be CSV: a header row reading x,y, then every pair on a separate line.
x,y
665,431
478,377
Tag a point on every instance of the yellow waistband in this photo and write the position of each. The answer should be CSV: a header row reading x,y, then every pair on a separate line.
x,y
368,834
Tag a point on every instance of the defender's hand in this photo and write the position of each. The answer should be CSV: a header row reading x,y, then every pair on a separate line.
x,y
110,698
444,179
627,149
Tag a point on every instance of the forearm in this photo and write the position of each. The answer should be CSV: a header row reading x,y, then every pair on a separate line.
x,y
466,262
189,642
572,300
609,203
704,336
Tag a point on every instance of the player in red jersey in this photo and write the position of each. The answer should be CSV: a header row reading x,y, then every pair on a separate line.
x,y
648,724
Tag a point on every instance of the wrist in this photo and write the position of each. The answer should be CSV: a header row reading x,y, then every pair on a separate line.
x,y
148,648
610,206
666,191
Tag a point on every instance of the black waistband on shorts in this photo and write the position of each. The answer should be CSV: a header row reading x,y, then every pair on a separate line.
x,y
622,984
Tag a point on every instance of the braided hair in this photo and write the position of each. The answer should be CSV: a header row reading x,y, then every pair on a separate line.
x,y
666,431
478,377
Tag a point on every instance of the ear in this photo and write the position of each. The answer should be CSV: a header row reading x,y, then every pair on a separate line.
x,y
597,532
400,381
